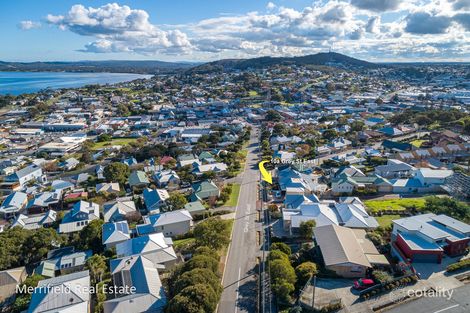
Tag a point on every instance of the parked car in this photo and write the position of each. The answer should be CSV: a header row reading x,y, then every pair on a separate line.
x,y
363,283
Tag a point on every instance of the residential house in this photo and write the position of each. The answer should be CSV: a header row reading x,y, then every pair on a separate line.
x,y
204,190
13,204
108,188
390,131
63,294
114,233
35,221
194,208
138,179
62,186
155,199
339,143
347,251
155,247
79,216
427,237
395,169
26,174
432,178
350,212
200,169
187,159
63,261
44,201
345,184
142,274
9,280
167,178
118,210
69,164
171,224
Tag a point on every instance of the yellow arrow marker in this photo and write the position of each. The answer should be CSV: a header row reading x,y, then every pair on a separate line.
x,y
264,173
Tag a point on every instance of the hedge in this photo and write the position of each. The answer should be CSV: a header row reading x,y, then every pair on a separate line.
x,y
459,265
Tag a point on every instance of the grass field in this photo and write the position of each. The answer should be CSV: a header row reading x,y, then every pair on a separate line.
x,y
114,142
253,93
386,220
182,242
395,204
233,200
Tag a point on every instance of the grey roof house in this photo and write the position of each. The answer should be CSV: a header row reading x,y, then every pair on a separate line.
x,y
62,294
142,274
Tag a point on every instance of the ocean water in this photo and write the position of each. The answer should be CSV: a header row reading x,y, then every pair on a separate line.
x,y
16,83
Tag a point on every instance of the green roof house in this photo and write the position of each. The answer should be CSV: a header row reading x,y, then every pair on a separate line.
x,y
204,190
138,179
195,207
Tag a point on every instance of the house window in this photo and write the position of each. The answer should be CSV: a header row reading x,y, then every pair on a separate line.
x,y
78,223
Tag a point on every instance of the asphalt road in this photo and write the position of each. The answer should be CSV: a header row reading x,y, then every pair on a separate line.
x,y
240,279
458,302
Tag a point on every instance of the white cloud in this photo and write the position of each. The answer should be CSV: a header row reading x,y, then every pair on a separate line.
x,y
27,25
359,27
120,29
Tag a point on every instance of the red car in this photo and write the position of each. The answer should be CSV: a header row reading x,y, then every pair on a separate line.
x,y
363,283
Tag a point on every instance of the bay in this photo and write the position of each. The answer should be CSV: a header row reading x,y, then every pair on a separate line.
x,y
16,83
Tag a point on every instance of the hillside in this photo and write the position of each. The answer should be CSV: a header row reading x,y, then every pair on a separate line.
x,y
141,67
320,59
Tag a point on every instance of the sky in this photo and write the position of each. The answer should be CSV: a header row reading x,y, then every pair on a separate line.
x,y
205,30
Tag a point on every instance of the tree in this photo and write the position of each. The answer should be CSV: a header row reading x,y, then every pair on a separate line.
x,y
306,229
283,290
281,246
197,276
305,271
282,270
208,175
202,295
213,233
39,243
330,134
117,172
90,236
176,201
203,250
104,138
97,266
277,255
274,116
202,261
448,206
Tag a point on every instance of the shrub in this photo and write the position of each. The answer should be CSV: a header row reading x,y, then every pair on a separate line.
x,y
462,264
382,277
281,246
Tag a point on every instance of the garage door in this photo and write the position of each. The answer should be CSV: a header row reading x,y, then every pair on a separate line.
x,y
426,258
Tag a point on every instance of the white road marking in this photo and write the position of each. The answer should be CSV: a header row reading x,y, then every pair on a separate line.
x,y
451,307
247,218
238,286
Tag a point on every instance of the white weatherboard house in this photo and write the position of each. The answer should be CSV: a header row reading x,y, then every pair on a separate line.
x,y
79,216
24,175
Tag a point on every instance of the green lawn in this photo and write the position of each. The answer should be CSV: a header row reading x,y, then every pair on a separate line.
x,y
253,93
114,142
400,204
182,242
386,220
233,200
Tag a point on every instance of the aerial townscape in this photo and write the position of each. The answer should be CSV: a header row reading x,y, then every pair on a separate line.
x,y
271,183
